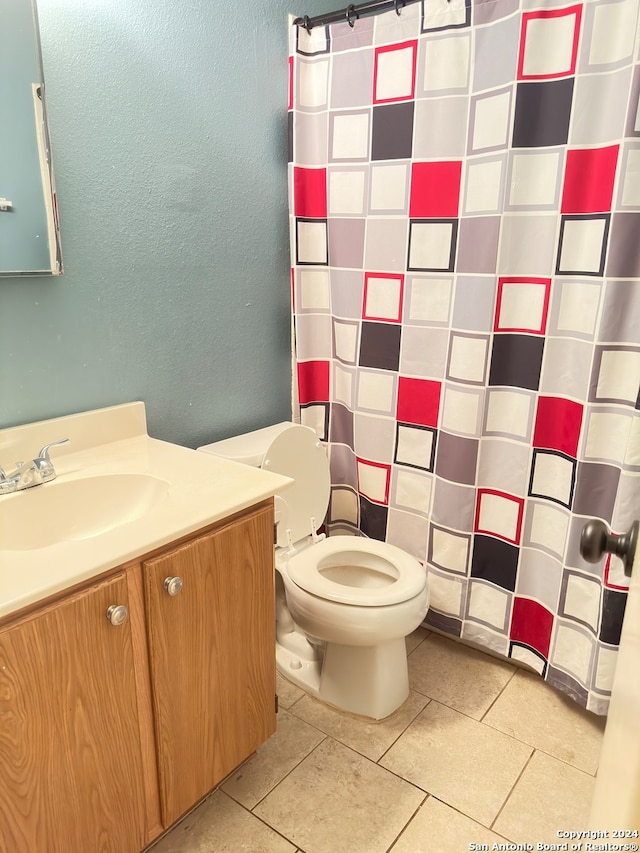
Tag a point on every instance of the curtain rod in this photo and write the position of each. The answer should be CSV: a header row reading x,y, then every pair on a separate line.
x,y
352,13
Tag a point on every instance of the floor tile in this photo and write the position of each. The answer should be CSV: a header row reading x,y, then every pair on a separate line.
x,y
437,828
553,722
219,825
550,795
337,800
415,638
288,693
463,762
292,741
368,738
457,676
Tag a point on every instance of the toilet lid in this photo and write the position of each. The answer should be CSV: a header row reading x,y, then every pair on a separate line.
x,y
297,453
354,570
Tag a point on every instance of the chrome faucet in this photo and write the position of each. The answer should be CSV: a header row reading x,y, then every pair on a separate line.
x,y
27,474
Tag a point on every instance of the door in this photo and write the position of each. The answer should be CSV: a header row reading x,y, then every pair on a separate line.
x,y
616,802
70,759
211,631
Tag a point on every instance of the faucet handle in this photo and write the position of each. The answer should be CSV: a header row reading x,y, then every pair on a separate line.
x,y
44,453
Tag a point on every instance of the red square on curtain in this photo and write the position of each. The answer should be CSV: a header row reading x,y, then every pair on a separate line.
x,y
418,401
435,189
313,381
531,623
588,180
310,192
558,423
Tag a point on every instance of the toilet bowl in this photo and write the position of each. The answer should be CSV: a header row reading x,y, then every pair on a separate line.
x,y
344,604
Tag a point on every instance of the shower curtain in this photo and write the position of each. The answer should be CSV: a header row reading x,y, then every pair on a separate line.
x,y
464,190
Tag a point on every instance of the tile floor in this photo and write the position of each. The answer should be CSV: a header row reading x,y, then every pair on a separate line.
x,y
481,753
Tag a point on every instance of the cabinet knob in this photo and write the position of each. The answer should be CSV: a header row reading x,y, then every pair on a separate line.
x,y
173,585
117,614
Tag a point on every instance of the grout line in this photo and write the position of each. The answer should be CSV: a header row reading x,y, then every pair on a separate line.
x,y
397,838
506,799
500,692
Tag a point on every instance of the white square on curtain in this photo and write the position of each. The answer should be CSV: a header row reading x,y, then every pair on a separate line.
x,y
489,604
468,358
548,45
534,179
528,657
460,411
552,477
394,78
430,246
415,446
607,436
343,386
312,42
430,299
499,515
522,306
346,192
375,391
344,505
582,600
350,137
438,14
619,376
632,455
549,528
446,594
483,186
413,491
581,245
613,34
389,187
382,300
631,184
446,64
373,481
491,122
346,339
312,242
578,307
508,412
312,83
572,652
314,290
605,669
450,551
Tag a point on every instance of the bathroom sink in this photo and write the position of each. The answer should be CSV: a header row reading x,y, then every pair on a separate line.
x,y
82,508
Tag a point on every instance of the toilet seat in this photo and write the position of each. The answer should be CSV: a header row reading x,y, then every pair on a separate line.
x,y
387,574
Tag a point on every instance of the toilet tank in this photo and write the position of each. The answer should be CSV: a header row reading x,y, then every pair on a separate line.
x,y
301,509
249,448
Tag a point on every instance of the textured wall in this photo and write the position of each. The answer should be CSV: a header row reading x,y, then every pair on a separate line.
x,y
168,125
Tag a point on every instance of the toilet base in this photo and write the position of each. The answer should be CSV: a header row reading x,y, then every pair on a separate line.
x,y
371,681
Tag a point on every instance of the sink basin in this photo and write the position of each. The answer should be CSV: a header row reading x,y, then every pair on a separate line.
x,y
75,509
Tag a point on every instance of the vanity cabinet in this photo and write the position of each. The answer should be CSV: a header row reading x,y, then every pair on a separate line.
x,y
113,724
70,756
211,630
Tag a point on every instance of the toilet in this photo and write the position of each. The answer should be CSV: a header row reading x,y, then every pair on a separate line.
x,y
344,604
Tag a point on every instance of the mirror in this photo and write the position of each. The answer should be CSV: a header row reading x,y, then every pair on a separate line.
x,y
29,231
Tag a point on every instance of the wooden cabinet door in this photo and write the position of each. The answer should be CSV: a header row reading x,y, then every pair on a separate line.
x,y
212,656
70,760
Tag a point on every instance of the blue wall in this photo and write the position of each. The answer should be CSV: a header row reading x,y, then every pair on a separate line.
x,y
168,130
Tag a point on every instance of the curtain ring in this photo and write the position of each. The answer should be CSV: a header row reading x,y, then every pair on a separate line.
x,y
306,23
351,10
398,2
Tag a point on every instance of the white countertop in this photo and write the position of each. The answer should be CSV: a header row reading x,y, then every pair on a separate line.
x,y
200,489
